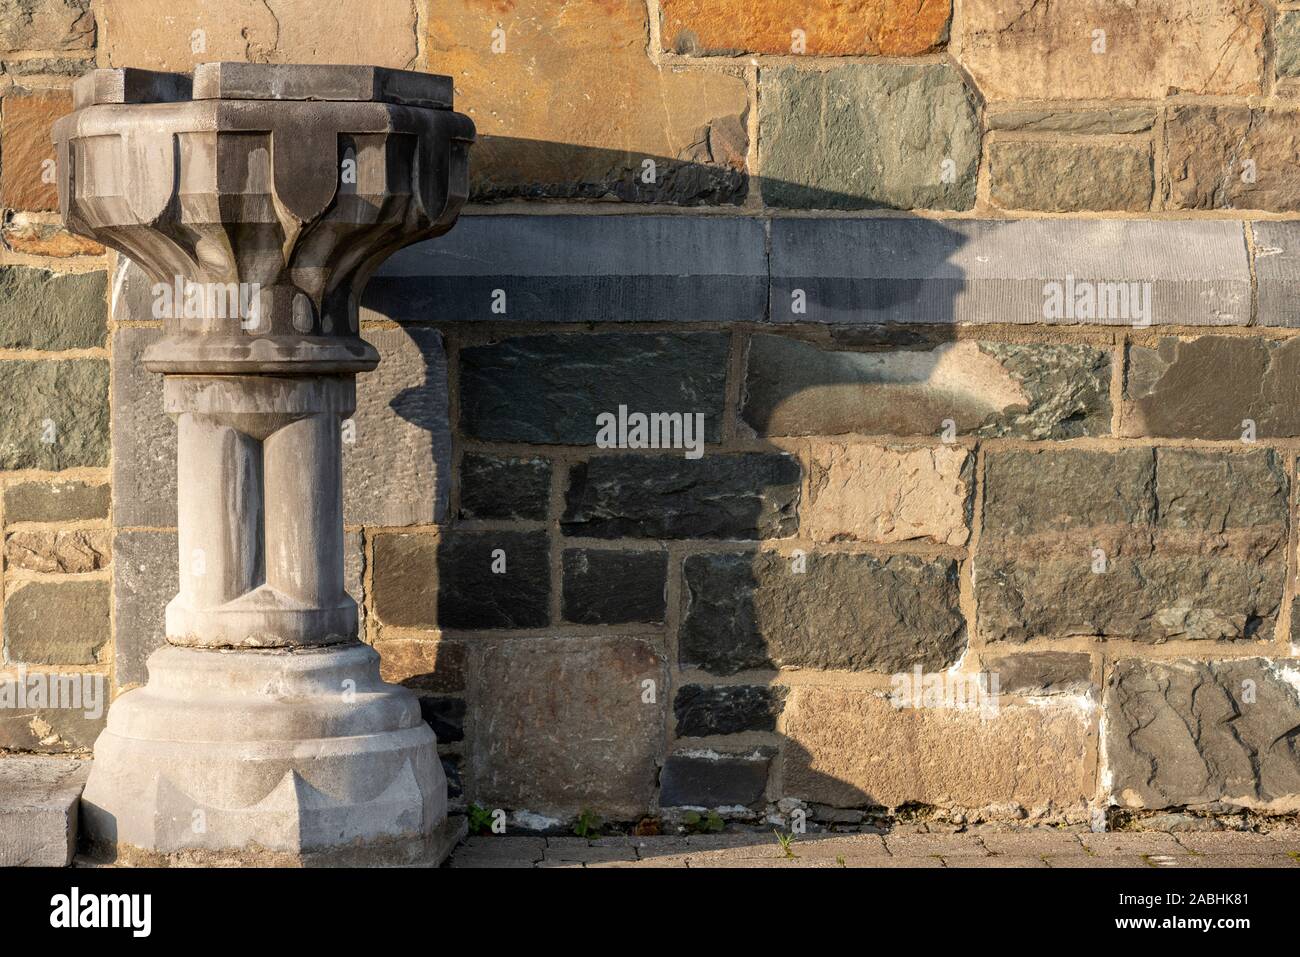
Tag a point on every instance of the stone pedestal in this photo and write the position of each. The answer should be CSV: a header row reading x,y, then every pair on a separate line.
x,y
260,198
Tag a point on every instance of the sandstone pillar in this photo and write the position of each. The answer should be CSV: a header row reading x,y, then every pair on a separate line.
x,y
260,199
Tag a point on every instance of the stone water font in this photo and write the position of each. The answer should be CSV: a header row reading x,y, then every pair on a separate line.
x,y
265,196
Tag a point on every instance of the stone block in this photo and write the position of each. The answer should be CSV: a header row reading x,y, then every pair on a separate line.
x,y
989,389
47,25
605,587
1071,177
145,579
603,111
709,780
864,136
144,436
1060,118
1025,50
432,666
1277,273
1189,732
886,494
561,725
1010,271
1231,157
1174,390
1144,544
55,502
53,414
38,809
851,748
56,622
52,713
578,269
504,487
752,495
704,710
1286,39
756,610
1041,673
397,451
27,177
24,233
178,34
550,389
44,310
66,551
871,27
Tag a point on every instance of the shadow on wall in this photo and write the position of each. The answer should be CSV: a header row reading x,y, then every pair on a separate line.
x,y
743,611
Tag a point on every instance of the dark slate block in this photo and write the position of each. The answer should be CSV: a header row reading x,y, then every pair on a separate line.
x,y
984,271
471,595
750,495
502,487
580,269
1042,672
446,716
698,780
703,710
753,610
144,436
614,587
550,389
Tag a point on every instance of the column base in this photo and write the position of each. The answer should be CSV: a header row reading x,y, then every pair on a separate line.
x,y
275,758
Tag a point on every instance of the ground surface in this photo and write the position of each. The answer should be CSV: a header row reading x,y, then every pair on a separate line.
x,y
899,848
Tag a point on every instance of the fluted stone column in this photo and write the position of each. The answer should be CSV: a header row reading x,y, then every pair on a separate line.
x,y
264,196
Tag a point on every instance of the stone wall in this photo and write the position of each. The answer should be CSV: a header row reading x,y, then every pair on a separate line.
x,y
979,439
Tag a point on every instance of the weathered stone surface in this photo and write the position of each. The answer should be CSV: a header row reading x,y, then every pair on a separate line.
x,y
550,389
902,136
603,587
1277,273
1147,544
56,623
422,581
1194,732
68,551
144,581
27,175
55,502
1026,50
46,25
874,27
1053,119
24,234
1036,390
579,268
144,436
1041,672
434,666
177,34
558,725
749,495
43,310
708,779
754,610
40,726
38,807
945,272
504,487
53,415
1070,177
703,710
1286,38
1176,389
572,105
354,575
397,455
850,748
876,493
1231,157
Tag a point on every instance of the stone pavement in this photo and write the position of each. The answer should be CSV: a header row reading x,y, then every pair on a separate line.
x,y
898,848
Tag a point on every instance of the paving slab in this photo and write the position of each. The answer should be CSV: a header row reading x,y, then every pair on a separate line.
x,y
39,797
